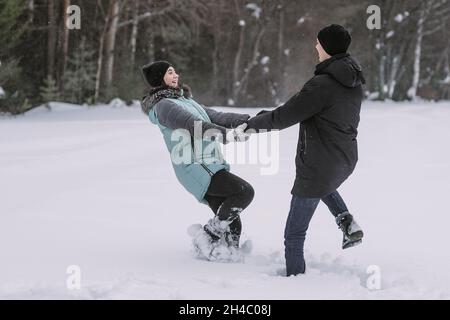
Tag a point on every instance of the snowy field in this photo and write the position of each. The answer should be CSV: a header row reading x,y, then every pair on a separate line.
x,y
94,187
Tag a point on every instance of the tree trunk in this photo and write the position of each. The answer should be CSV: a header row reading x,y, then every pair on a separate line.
x,y
51,39
98,76
111,40
31,8
237,57
64,47
252,63
215,67
280,91
392,82
381,47
134,32
412,92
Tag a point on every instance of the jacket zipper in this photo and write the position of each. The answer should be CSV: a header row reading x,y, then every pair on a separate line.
x,y
304,148
201,163
207,169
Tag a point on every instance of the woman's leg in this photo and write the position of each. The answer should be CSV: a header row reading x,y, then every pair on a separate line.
x,y
237,194
228,195
214,203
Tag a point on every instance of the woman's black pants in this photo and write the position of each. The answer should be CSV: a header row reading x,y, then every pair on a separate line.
x,y
227,196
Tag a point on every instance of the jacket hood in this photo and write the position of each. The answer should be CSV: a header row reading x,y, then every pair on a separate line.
x,y
344,69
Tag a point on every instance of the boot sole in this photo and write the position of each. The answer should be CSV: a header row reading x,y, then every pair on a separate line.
x,y
355,236
352,244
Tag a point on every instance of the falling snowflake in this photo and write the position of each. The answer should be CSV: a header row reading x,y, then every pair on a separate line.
x,y
265,60
255,8
399,18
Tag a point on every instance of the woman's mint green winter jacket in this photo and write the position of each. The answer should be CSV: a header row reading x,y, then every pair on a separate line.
x,y
175,117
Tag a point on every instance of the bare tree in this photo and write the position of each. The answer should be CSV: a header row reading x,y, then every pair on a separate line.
x,y
134,31
31,11
63,45
110,40
241,69
431,18
101,45
51,39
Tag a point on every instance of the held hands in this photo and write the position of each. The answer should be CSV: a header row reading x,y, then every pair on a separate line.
x,y
237,134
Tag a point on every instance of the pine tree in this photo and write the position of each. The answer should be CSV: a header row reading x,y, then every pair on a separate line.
x,y
79,79
49,91
11,30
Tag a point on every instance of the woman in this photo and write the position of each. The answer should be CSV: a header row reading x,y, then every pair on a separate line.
x,y
205,175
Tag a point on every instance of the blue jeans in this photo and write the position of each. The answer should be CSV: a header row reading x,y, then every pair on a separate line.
x,y
300,214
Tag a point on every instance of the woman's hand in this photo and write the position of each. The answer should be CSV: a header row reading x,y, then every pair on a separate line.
x,y
240,120
237,134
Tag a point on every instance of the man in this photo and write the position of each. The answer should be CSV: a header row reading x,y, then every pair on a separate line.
x,y
327,108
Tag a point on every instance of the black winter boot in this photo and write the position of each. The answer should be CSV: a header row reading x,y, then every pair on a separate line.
x,y
352,232
232,239
216,228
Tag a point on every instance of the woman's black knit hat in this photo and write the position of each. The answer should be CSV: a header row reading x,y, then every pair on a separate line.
x,y
334,39
154,72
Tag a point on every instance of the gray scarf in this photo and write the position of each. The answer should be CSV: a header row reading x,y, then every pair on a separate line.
x,y
158,93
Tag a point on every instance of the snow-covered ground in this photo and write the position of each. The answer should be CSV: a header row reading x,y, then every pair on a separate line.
x,y
94,187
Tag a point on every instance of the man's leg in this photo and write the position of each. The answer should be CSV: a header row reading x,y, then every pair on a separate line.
x,y
335,203
300,214
345,221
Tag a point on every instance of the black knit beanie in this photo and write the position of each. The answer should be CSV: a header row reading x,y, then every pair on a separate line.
x,y
334,39
154,72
